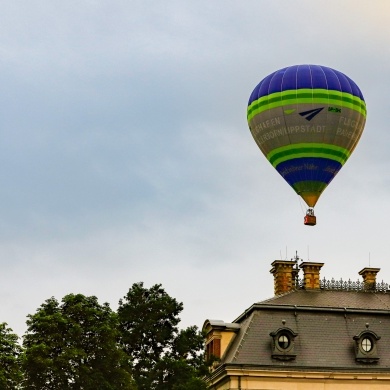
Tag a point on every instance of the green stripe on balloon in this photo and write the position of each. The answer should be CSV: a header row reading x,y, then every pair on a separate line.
x,y
302,150
309,186
281,99
308,93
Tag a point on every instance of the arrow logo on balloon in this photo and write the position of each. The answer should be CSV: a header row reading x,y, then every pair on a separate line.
x,y
309,115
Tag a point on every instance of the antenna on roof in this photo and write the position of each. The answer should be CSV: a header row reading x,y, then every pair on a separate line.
x,y
369,259
296,268
308,253
296,257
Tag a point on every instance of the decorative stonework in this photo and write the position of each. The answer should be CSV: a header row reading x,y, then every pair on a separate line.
x,y
311,275
349,285
369,277
284,272
286,278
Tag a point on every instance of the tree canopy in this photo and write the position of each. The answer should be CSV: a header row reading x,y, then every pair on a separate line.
x,y
10,373
73,345
163,357
80,344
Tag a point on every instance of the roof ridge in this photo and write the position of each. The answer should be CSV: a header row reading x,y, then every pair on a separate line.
x,y
242,339
278,296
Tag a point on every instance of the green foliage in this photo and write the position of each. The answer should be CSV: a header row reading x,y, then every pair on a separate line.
x,y
73,345
79,344
10,372
162,357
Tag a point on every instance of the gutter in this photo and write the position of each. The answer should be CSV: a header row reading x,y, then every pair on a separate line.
x,y
296,308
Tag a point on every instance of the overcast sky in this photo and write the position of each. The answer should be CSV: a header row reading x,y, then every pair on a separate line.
x,y
125,154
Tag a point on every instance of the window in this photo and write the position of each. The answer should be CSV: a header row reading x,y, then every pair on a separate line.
x,y
283,341
283,344
213,349
366,350
366,344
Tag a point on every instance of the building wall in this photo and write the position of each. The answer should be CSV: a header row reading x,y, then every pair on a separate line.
x,y
325,325
290,380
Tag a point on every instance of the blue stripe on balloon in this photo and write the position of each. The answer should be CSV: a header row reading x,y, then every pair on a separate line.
x,y
305,76
308,169
302,76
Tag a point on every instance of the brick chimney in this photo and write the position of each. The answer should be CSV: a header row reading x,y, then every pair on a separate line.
x,y
284,275
311,275
369,277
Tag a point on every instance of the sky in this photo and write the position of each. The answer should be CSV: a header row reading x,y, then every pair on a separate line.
x,y
125,155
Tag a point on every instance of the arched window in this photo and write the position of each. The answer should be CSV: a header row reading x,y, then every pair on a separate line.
x,y
366,344
366,348
283,341
283,347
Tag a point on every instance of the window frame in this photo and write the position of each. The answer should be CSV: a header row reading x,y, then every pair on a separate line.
x,y
362,354
279,351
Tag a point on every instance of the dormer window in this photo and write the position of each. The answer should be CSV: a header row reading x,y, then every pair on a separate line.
x,y
366,346
219,335
283,343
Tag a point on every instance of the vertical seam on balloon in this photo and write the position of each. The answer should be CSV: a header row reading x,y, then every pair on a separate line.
x,y
284,118
269,85
302,175
312,92
342,93
281,99
353,144
327,112
350,146
329,102
361,120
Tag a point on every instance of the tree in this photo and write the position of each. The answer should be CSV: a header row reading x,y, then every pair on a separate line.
x,y
163,357
74,345
10,372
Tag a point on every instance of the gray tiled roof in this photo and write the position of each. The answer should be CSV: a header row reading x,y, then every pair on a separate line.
x,y
326,322
333,298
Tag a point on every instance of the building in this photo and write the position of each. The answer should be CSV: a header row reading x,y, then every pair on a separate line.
x,y
313,334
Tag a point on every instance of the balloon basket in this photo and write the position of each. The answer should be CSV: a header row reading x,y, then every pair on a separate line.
x,y
310,219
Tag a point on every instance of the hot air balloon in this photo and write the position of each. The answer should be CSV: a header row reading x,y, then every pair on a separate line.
x,y
307,120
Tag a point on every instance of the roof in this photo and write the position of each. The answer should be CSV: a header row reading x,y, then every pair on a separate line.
x,y
326,323
218,324
332,298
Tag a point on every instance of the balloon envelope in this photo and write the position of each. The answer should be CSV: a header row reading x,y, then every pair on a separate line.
x,y
307,120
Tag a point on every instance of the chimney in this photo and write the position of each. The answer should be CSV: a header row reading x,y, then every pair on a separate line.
x,y
311,275
369,277
284,275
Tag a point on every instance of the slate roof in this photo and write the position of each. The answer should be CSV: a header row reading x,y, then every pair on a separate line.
x,y
333,298
325,321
